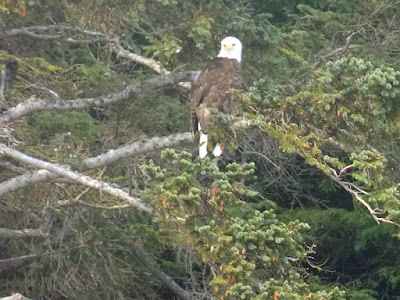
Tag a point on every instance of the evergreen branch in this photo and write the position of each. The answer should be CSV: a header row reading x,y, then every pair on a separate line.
x,y
136,148
33,104
77,177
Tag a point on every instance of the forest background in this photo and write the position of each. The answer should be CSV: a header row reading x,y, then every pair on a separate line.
x,y
102,194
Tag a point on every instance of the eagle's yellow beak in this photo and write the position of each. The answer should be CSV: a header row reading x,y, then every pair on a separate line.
x,y
228,47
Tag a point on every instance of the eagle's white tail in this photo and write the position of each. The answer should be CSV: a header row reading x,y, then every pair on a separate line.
x,y
217,150
203,145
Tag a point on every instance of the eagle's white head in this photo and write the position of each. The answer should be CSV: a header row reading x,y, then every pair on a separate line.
x,y
231,47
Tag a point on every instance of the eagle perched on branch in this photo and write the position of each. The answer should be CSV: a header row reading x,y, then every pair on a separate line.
x,y
211,90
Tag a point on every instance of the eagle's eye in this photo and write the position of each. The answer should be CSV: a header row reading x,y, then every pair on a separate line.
x,y
233,45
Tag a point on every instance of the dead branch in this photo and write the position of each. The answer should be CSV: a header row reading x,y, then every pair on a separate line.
x,y
13,260
340,50
61,32
24,233
77,177
2,84
102,207
15,297
148,62
355,193
24,180
33,104
136,148
57,32
151,264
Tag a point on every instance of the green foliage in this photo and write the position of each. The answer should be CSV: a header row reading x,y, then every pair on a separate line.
x,y
241,244
199,199
184,187
78,124
62,137
166,112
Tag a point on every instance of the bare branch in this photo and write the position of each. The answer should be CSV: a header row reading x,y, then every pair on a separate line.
x,y
82,179
151,264
19,234
13,260
33,104
57,32
15,297
338,50
136,148
2,84
24,180
148,62
60,32
102,207
356,195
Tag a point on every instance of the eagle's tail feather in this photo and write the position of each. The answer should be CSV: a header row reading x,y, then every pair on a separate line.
x,y
203,145
217,152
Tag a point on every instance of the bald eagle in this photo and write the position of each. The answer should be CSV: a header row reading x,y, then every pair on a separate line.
x,y
211,90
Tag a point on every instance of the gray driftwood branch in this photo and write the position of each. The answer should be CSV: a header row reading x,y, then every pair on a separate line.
x,y
33,104
355,192
64,33
77,177
58,32
15,297
136,148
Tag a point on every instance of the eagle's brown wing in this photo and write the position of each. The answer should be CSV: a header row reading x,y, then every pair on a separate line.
x,y
211,90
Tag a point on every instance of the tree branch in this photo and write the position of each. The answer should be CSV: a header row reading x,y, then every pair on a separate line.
x,y
13,260
15,297
356,195
2,85
34,105
338,50
151,264
57,32
136,148
82,179
148,62
19,234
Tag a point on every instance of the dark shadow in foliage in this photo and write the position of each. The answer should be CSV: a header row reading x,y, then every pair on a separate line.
x,y
353,250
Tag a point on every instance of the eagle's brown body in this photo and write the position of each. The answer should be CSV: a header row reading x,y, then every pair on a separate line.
x,y
211,90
